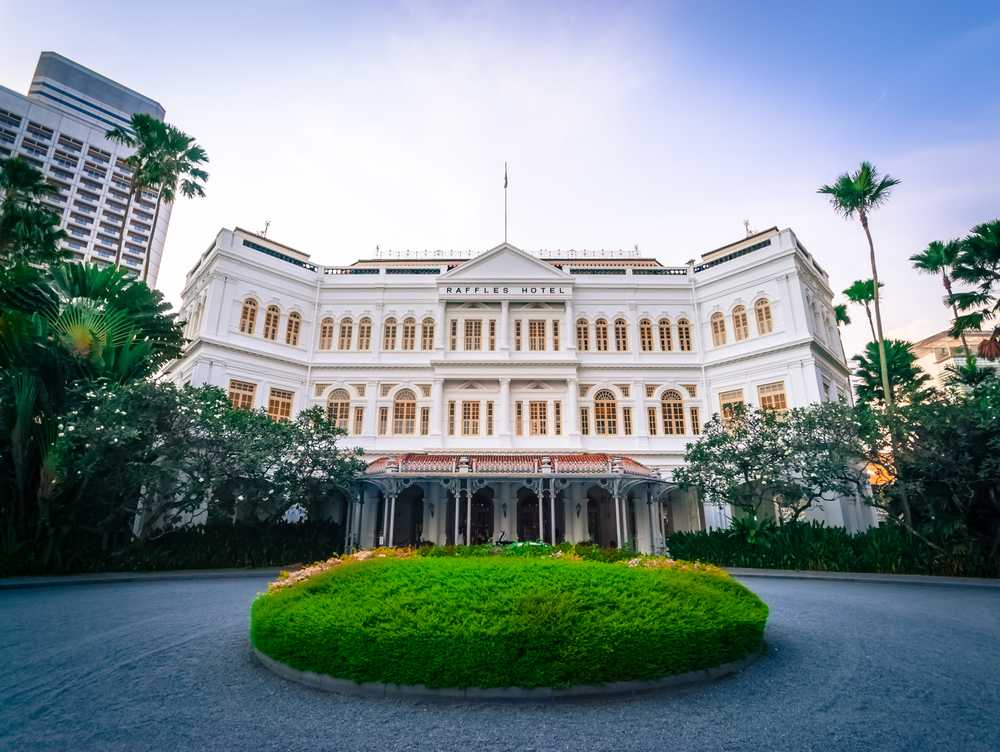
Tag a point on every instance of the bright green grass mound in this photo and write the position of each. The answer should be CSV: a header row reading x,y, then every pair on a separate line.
x,y
506,622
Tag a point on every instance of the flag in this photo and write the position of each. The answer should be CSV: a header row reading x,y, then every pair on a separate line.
x,y
504,174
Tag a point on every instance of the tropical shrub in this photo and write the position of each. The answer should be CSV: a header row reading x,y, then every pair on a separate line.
x,y
499,621
812,546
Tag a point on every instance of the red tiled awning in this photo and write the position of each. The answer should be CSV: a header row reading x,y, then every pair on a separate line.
x,y
584,463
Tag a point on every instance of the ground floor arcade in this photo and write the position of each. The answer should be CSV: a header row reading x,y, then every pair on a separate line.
x,y
448,500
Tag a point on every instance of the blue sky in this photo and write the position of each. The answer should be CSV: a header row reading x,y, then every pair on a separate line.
x,y
658,124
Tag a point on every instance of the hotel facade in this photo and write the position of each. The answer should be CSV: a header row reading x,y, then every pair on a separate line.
x,y
518,396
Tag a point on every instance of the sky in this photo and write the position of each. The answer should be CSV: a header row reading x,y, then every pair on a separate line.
x,y
663,125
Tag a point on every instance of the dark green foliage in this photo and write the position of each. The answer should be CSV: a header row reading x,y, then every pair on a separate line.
x,y
906,380
811,546
264,544
506,621
29,230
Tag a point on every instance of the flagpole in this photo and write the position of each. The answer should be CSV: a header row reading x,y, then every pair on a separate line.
x,y
505,202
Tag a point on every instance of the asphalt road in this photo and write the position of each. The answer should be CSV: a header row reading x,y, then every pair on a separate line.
x,y
166,666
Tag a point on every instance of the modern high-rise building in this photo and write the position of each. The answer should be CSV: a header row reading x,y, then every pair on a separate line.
x,y
59,128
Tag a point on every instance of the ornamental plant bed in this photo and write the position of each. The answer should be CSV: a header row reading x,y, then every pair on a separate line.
x,y
553,620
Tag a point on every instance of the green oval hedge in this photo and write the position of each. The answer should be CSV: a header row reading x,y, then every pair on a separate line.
x,y
506,622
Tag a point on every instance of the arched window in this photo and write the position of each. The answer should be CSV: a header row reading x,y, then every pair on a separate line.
x,y
338,408
346,332
605,413
427,334
672,405
389,335
365,334
582,335
292,328
621,335
404,413
646,335
666,340
601,335
684,335
765,324
718,329
741,328
326,334
409,333
271,322
248,317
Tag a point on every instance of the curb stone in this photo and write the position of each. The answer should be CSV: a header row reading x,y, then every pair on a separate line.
x,y
327,683
39,581
894,579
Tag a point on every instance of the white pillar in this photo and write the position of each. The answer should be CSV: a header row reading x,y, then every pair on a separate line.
x,y
641,427
439,326
468,514
503,415
541,511
504,343
570,335
618,519
370,425
573,409
552,512
392,519
437,406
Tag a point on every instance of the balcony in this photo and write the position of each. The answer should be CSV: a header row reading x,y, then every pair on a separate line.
x,y
94,174
64,162
43,153
64,174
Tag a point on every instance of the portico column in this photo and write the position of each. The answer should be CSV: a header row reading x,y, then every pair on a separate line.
x,y
503,409
541,510
468,514
552,511
649,513
458,506
384,533
618,518
392,518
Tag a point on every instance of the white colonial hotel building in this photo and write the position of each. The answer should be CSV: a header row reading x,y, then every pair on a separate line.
x,y
517,388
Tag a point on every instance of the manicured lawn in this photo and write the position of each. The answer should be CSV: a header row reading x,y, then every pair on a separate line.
x,y
506,621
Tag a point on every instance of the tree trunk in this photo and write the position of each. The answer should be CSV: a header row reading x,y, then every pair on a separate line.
x,y
871,324
878,316
152,237
121,235
954,310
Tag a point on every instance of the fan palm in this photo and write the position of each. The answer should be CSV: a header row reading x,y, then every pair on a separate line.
x,y
165,160
908,383
938,258
978,265
858,194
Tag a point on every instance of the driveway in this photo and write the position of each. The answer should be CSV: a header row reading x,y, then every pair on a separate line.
x,y
165,666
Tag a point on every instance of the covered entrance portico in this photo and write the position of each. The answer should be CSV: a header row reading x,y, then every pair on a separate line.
x,y
479,498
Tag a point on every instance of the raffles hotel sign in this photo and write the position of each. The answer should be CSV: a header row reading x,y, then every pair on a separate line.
x,y
532,290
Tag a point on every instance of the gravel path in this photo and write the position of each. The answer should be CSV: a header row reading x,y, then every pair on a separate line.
x,y
166,666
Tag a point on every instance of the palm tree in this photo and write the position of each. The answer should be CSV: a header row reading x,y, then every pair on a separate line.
x,y
968,375
176,169
165,160
978,265
862,292
937,258
145,134
858,194
908,383
29,231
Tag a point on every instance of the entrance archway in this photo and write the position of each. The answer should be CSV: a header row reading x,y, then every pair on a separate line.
x,y
408,523
527,515
601,521
482,516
